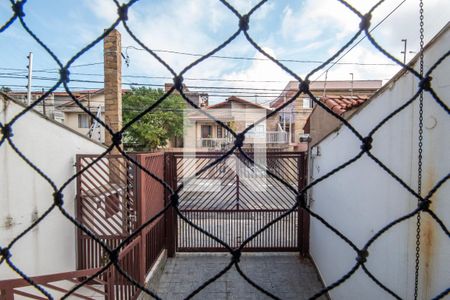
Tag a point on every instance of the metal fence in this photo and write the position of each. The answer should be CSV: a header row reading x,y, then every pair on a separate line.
x,y
243,23
114,197
233,199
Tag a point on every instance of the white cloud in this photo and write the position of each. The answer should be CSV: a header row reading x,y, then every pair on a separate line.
x,y
261,70
310,28
313,22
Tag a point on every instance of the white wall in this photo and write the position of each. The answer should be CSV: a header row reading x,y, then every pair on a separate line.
x,y
362,198
24,195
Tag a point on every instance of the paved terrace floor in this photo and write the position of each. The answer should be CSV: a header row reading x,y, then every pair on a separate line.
x,y
283,274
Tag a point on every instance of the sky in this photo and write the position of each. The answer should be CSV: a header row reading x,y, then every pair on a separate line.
x,y
303,32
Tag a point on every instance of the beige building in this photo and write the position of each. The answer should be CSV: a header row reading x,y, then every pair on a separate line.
x,y
202,133
60,107
293,118
77,119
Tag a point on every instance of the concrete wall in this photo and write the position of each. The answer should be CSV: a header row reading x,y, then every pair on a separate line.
x,y
363,198
323,123
24,195
71,120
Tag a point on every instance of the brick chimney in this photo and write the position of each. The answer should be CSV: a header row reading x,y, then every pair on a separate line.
x,y
113,82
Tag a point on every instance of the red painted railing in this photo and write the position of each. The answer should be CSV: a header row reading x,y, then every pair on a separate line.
x,y
114,198
57,284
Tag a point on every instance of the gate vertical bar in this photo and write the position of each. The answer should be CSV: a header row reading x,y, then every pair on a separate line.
x,y
140,185
303,217
170,176
78,214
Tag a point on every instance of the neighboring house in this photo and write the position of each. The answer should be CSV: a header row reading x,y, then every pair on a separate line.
x,y
198,98
77,119
60,107
50,247
294,116
203,133
45,107
320,123
363,198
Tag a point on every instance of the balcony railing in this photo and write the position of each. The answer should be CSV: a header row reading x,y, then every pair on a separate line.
x,y
268,137
215,143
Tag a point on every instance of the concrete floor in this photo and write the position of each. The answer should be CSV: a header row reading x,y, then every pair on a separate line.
x,y
284,274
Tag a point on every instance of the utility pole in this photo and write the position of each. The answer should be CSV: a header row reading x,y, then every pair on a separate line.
x,y
284,113
325,84
351,89
43,104
405,41
30,76
290,125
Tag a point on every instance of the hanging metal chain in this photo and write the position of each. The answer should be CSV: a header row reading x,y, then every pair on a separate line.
x,y
419,158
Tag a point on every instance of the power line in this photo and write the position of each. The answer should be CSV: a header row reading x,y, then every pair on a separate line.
x,y
255,58
197,88
146,76
360,40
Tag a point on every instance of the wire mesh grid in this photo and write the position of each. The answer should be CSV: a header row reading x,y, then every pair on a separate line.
x,y
243,22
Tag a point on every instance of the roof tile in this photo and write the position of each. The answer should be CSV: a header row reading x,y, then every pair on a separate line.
x,y
341,104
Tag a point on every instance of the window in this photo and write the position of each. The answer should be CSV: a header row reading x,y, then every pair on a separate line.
x,y
257,131
83,121
206,131
219,132
306,103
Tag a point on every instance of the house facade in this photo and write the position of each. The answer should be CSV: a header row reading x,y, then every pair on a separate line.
x,y
293,117
203,133
80,121
60,107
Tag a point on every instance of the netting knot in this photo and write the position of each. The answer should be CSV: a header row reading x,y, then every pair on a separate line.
x,y
365,22
178,82
58,198
424,204
301,200
117,138
7,131
114,256
425,83
362,256
64,75
239,141
244,22
236,256
123,12
174,199
367,143
18,8
304,86
4,252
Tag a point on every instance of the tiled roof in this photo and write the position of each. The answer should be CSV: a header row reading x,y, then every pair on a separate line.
x,y
236,99
341,104
332,85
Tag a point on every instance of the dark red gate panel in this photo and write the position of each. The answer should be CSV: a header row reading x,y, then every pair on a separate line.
x,y
234,199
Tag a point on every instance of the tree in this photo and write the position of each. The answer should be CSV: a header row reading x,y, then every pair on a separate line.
x,y
155,128
5,89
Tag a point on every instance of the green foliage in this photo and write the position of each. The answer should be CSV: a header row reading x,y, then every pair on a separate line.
x,y
5,89
155,128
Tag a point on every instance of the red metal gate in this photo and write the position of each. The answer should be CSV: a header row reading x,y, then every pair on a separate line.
x,y
234,199
114,197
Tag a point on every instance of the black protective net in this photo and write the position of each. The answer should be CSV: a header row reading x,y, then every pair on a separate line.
x,y
242,28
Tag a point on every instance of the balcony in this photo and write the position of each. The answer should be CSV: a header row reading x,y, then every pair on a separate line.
x,y
214,143
268,137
